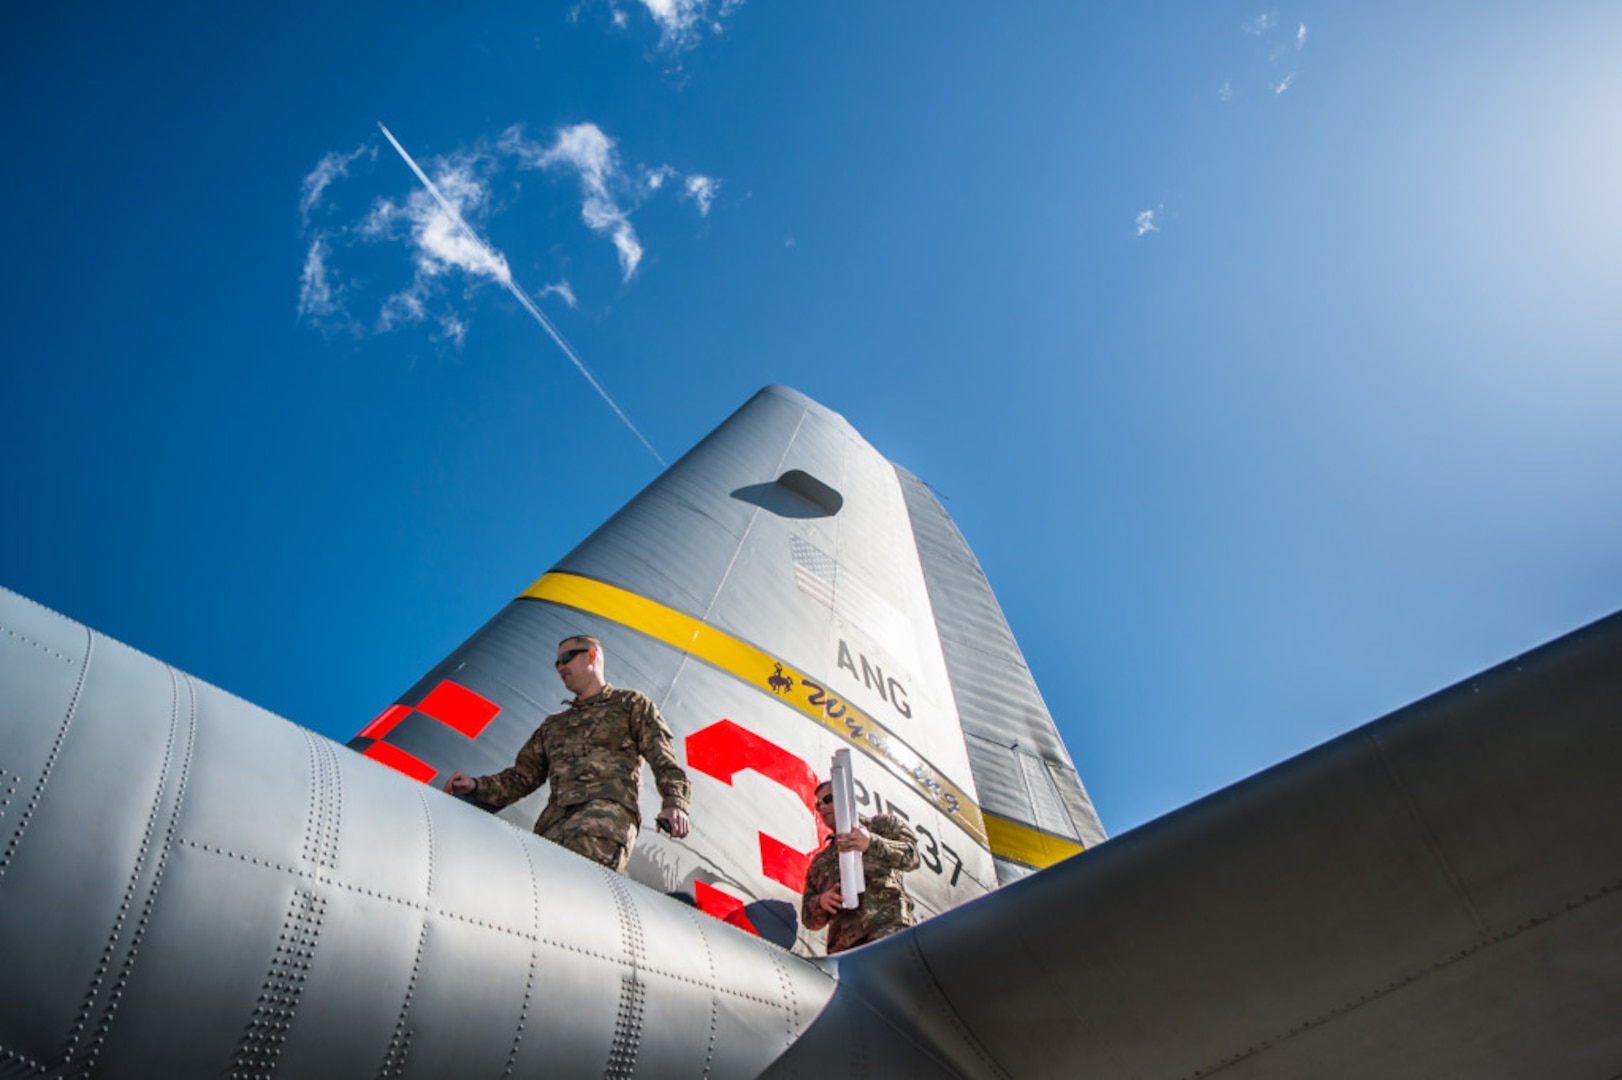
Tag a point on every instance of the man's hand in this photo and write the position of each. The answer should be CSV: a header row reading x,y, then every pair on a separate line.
x,y
855,840
460,783
832,902
675,819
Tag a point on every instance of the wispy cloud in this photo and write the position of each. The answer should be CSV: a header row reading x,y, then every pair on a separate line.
x,y
316,297
1283,48
591,154
401,309
440,228
452,327
1225,91
433,221
702,190
334,166
489,260
1146,222
609,192
654,179
560,288
682,22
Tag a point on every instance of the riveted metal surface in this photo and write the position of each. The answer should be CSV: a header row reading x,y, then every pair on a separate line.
x,y
342,922
1021,767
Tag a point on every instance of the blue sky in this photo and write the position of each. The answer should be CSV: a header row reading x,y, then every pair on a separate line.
x,y
1269,357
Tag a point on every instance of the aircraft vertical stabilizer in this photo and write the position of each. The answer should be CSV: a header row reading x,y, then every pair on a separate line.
x,y
1036,807
781,592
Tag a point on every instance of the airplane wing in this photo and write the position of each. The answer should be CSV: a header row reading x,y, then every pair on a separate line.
x,y
1438,893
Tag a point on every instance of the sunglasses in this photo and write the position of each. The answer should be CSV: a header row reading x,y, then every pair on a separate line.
x,y
826,799
564,658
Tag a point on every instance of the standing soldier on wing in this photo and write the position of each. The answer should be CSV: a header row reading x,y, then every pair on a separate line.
x,y
591,754
888,849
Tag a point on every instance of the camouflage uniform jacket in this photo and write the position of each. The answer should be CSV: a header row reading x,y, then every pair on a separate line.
x,y
592,750
884,905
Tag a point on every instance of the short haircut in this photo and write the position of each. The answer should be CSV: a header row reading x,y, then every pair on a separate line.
x,y
584,639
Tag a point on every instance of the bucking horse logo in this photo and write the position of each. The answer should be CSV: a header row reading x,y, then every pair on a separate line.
x,y
780,683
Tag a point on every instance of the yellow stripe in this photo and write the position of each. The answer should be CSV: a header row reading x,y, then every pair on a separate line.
x,y
769,675
1006,837
1018,841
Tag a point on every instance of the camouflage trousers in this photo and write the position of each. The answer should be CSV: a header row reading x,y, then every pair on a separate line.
x,y
601,830
868,938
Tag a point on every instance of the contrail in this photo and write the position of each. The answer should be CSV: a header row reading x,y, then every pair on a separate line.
x,y
522,297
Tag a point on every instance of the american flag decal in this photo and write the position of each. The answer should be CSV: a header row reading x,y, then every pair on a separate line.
x,y
814,571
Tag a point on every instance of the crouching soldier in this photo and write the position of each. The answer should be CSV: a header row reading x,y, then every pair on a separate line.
x,y
889,849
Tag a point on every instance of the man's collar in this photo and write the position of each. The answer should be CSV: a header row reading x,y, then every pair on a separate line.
x,y
585,700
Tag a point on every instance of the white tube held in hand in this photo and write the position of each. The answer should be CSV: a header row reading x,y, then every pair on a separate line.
x,y
851,879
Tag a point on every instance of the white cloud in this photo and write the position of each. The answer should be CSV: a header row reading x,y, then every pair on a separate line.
x,y
1283,84
316,296
334,166
1225,91
682,22
1301,35
702,190
400,309
441,245
449,239
591,154
1260,24
1146,222
560,288
452,328
678,21
654,179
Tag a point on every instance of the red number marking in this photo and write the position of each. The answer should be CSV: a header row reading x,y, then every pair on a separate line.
x,y
723,750
782,863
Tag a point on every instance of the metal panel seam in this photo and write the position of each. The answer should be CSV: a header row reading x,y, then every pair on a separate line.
x,y
1454,883
394,1057
104,1025
915,948
50,758
753,517
534,951
715,1000
1414,976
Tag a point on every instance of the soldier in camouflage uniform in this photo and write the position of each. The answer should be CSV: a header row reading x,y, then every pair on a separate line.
x,y
591,753
888,849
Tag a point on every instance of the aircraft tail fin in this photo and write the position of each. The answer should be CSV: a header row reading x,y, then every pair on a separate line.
x,y
782,591
1037,808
